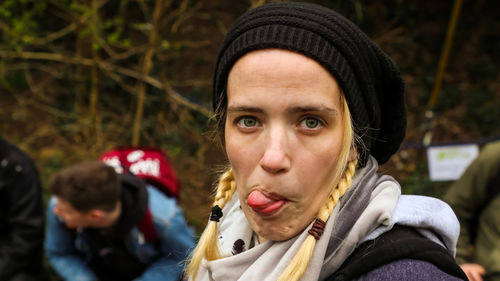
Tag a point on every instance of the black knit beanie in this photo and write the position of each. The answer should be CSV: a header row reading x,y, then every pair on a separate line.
x,y
368,78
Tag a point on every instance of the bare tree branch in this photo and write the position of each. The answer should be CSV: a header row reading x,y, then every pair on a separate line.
x,y
147,64
46,56
179,99
108,67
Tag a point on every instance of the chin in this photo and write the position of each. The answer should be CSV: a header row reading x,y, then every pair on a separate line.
x,y
274,233
277,237
277,227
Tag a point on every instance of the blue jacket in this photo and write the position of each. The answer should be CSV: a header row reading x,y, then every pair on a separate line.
x,y
68,251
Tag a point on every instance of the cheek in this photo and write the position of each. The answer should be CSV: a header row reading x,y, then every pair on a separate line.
x,y
318,171
68,218
241,156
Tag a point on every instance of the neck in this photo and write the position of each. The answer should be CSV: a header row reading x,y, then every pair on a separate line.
x,y
261,239
112,217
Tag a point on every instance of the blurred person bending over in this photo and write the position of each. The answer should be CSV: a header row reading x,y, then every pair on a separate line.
x,y
21,216
475,198
97,227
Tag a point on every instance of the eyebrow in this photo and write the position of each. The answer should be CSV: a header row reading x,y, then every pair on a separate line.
x,y
294,110
321,109
251,109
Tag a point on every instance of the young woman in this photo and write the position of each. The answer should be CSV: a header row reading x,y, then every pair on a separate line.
x,y
307,107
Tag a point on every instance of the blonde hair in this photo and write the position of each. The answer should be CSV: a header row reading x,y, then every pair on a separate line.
x,y
208,247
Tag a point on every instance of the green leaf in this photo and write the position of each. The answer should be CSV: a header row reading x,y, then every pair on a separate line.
x,y
113,37
166,44
27,39
5,13
127,42
108,24
18,25
96,46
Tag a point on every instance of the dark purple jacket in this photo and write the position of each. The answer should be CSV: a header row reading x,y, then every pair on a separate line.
x,y
408,269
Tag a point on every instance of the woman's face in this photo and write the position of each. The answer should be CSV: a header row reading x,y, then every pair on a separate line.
x,y
283,136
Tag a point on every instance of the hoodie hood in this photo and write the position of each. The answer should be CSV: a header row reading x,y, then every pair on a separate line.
x,y
431,217
134,204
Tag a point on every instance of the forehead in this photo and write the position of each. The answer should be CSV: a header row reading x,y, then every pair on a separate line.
x,y
269,60
64,205
272,71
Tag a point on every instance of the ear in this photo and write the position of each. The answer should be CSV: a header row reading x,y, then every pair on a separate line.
x,y
96,215
56,210
353,153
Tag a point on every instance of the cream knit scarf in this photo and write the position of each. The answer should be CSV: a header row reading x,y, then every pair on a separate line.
x,y
368,204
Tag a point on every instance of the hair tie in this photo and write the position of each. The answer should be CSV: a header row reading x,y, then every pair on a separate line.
x,y
216,213
317,228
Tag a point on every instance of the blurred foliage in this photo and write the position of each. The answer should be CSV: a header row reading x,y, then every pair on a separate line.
x,y
78,77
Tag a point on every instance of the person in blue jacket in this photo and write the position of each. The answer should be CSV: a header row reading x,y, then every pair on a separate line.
x,y
107,226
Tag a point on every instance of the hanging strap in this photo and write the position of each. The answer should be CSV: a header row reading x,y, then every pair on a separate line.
x,y
147,228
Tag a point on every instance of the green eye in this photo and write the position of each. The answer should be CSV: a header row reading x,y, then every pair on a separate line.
x,y
248,122
310,123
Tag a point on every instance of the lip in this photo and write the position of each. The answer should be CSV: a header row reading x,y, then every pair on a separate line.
x,y
268,209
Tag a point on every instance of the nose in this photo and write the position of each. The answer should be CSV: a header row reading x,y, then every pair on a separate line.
x,y
276,157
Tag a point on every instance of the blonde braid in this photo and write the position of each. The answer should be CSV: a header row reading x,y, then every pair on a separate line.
x,y
207,246
344,184
300,261
225,189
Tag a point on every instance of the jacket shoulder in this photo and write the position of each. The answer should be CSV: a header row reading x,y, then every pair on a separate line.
x,y
409,269
400,243
15,156
161,206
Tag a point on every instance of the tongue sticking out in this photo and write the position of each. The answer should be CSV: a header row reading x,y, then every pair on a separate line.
x,y
258,199
263,204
